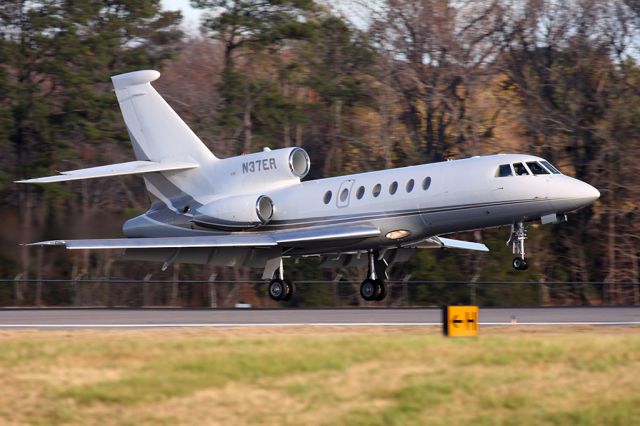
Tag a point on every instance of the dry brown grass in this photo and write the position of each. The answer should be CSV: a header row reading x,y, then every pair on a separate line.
x,y
321,375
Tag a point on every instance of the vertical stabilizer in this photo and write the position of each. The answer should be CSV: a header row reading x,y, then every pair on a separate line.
x,y
158,134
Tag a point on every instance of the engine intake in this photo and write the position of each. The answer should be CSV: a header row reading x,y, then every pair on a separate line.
x,y
264,209
299,162
236,212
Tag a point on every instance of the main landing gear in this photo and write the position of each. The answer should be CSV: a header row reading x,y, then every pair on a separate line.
x,y
516,241
374,288
281,288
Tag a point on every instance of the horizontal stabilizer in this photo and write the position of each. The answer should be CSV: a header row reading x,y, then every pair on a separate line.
x,y
129,168
440,242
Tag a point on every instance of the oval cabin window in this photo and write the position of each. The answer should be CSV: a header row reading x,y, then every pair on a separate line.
x,y
327,197
410,185
426,183
344,195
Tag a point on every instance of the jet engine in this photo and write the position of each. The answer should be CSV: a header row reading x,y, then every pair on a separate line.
x,y
241,211
264,169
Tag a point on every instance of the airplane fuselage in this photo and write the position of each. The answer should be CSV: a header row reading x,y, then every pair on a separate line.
x,y
422,201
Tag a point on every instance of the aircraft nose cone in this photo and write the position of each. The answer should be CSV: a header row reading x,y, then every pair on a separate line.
x,y
595,194
591,193
571,194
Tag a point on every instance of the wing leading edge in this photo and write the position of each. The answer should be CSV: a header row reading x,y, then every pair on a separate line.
x,y
283,238
273,239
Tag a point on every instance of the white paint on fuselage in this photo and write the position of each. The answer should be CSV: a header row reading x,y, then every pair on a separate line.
x,y
462,195
453,183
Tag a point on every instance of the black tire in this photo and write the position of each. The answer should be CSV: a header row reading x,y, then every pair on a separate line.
x,y
382,290
368,289
525,265
290,289
277,289
519,264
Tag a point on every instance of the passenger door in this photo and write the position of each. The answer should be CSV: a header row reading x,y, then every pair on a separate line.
x,y
344,193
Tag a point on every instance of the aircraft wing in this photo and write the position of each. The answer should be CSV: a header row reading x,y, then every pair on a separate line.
x,y
129,168
441,242
282,238
250,240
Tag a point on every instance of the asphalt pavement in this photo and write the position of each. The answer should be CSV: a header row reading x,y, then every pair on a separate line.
x,y
89,318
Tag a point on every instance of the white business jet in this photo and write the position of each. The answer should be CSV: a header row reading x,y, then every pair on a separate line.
x,y
253,210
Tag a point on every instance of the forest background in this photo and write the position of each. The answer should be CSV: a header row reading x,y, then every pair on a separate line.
x,y
400,82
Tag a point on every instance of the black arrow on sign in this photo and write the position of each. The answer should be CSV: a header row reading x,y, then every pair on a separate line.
x,y
456,321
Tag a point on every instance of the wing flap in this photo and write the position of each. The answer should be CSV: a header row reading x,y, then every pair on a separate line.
x,y
128,168
441,242
326,234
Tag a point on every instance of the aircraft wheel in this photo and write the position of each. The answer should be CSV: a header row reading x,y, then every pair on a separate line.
x,y
381,290
520,264
277,289
290,289
369,289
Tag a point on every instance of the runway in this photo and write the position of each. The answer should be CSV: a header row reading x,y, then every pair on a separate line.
x,y
141,318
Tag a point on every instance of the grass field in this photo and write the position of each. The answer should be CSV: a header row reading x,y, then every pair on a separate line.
x,y
307,375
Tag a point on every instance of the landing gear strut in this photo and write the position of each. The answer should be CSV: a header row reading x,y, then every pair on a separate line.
x,y
516,241
374,288
281,288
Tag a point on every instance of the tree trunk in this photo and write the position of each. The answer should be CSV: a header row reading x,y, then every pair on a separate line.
x,y
174,285
246,121
25,235
332,158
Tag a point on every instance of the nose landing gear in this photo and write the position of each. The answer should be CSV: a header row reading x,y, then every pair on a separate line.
x,y
374,288
516,241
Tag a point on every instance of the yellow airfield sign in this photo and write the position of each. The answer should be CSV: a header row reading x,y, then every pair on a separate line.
x,y
460,320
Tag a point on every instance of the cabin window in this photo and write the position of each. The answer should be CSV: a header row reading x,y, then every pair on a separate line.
x,y
410,185
393,188
327,197
377,189
360,193
344,195
504,170
551,168
426,183
520,169
536,168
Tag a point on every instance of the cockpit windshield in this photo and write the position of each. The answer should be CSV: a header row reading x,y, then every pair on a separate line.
x,y
541,167
520,169
536,168
549,166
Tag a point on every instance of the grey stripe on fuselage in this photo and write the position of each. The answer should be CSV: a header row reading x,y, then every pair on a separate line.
x,y
431,222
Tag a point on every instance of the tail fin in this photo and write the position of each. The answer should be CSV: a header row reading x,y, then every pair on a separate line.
x,y
173,160
158,134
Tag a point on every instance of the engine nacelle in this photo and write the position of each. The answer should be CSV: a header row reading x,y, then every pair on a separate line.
x,y
240,211
261,169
